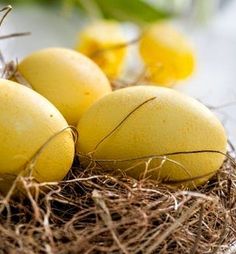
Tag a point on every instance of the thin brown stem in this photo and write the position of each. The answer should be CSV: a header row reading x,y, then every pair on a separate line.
x,y
194,249
8,36
114,47
7,10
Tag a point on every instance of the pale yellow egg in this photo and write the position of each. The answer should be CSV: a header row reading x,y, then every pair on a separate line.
x,y
134,129
167,54
70,80
102,41
34,136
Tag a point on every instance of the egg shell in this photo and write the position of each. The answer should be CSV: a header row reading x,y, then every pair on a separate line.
x,y
147,122
27,123
167,54
70,80
99,41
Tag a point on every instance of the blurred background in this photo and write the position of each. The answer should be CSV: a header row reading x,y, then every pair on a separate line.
x,y
209,24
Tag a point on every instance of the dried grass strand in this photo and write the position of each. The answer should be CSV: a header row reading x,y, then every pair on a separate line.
x,y
8,36
115,47
121,122
31,163
7,10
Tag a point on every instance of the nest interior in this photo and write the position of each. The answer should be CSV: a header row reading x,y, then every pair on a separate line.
x,y
98,213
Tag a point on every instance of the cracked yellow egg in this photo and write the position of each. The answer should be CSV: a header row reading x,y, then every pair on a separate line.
x,y
101,42
153,132
167,54
34,136
68,79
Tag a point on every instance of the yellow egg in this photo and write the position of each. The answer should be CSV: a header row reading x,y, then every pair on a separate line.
x,y
167,53
99,40
70,80
31,136
134,129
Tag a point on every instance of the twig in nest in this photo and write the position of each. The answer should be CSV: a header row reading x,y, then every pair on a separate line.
x,y
30,165
199,232
165,157
106,217
145,76
222,235
119,83
178,223
10,70
232,148
232,160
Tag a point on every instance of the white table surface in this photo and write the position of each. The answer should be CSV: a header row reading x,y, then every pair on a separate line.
x,y
214,82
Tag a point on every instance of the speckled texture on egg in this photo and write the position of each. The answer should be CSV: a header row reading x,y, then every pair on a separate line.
x,y
162,121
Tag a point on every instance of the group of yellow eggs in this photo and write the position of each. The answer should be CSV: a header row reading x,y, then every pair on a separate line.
x,y
145,131
167,55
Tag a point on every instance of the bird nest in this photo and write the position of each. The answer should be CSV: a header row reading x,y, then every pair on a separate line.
x,y
93,212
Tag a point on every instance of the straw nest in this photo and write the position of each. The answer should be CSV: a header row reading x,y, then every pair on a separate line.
x,y
92,212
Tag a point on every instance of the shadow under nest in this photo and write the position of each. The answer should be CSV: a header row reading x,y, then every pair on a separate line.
x,y
93,212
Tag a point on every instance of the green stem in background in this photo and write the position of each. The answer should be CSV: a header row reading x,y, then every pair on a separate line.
x,y
88,6
137,11
204,10
91,8
140,12
67,7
